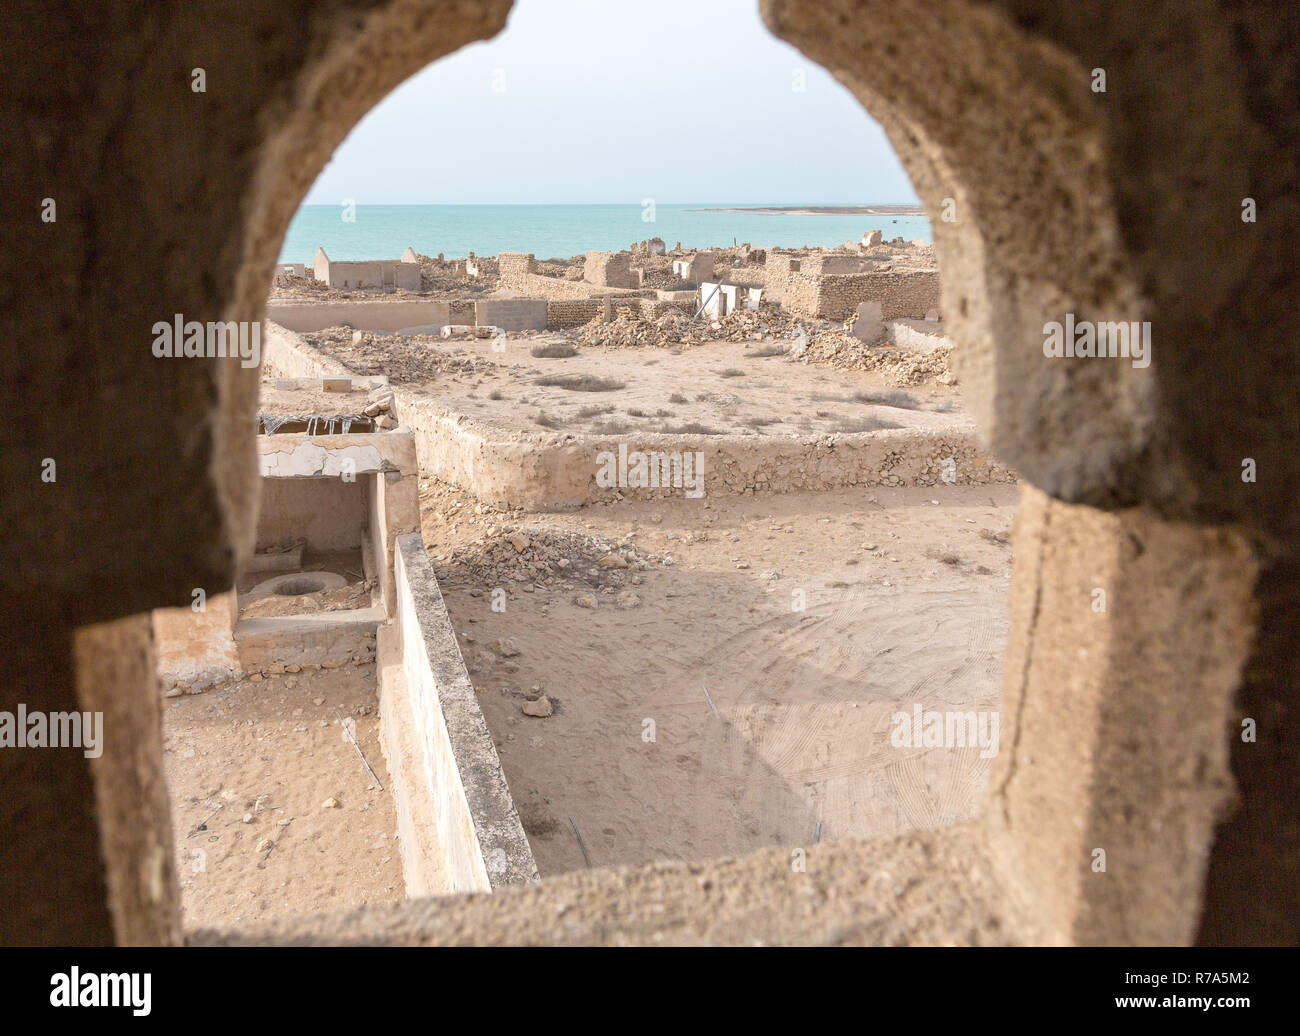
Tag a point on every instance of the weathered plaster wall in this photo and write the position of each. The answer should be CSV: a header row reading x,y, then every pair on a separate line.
x,y
511,314
365,316
307,494
328,512
196,649
376,275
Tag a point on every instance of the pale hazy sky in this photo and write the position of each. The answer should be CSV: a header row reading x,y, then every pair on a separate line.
x,y
606,101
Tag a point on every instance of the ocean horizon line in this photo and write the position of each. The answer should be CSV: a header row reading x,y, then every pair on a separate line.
x,y
614,204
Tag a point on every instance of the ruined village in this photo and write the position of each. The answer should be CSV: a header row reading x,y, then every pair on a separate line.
x,y
588,561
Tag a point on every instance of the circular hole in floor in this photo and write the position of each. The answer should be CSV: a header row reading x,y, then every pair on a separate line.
x,y
297,587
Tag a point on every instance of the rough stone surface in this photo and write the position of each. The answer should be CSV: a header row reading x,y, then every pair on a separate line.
x,y
894,892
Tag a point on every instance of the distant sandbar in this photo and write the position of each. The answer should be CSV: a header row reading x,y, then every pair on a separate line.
x,y
828,210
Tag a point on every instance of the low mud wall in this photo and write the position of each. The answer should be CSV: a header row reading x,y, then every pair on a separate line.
x,y
549,471
365,316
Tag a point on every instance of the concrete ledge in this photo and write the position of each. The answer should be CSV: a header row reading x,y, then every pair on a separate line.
x,y
424,863
480,843
325,638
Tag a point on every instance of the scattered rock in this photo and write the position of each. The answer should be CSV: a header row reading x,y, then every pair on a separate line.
x,y
330,803
541,708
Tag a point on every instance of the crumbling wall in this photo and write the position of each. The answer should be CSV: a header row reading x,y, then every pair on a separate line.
x,y
802,294
513,269
821,265
562,313
652,309
609,270
749,276
900,294
567,313
778,274
695,268
835,296
519,273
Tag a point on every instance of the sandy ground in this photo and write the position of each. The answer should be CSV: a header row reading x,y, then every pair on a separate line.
x,y
256,762
904,594
714,388
733,688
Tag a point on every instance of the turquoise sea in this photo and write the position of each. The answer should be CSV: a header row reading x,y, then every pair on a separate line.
x,y
560,231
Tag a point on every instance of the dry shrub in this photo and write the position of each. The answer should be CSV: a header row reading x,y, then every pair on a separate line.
x,y
889,397
580,383
553,350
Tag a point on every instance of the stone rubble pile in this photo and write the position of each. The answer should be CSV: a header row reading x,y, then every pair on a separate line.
x,y
806,339
509,556
405,359
440,277
902,367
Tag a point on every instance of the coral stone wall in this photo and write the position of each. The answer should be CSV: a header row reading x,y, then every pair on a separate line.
x,y
609,270
899,294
